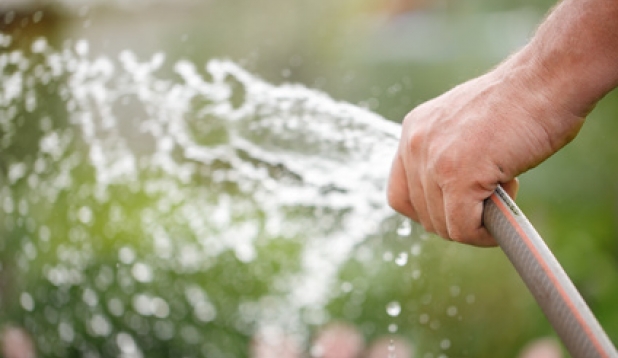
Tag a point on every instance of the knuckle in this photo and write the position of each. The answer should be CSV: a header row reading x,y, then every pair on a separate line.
x,y
475,239
457,235
395,200
443,168
415,140
428,226
466,240
416,134
443,233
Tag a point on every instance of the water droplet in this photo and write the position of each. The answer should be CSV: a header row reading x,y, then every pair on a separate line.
x,y
387,256
451,311
37,16
16,172
416,274
8,205
127,345
445,344
401,259
66,332
27,302
159,307
115,306
393,309
84,214
82,47
126,255
23,207
423,318
90,297
39,45
5,40
392,328
9,17
405,229
346,287
455,291
100,326
205,311
141,304
142,272
415,250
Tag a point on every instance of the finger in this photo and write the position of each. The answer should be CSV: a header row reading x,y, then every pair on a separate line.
x,y
417,199
511,187
463,221
435,208
397,191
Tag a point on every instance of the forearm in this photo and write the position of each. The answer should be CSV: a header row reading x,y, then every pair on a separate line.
x,y
573,57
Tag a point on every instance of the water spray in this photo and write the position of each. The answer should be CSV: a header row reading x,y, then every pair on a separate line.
x,y
282,148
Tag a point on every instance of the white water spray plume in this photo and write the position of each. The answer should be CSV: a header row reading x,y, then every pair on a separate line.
x,y
127,185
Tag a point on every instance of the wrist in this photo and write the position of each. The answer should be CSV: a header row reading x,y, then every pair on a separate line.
x,y
544,95
559,86
572,59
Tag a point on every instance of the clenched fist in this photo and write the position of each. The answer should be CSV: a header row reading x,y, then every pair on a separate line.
x,y
455,150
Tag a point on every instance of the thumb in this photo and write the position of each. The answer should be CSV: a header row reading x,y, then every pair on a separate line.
x,y
511,187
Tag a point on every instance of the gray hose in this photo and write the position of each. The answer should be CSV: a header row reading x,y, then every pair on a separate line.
x,y
564,307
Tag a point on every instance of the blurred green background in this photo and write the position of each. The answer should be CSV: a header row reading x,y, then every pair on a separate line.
x,y
386,56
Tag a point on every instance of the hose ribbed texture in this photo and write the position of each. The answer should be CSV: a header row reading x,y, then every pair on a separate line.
x,y
562,304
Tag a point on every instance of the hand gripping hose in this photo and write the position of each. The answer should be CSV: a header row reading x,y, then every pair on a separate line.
x,y
564,307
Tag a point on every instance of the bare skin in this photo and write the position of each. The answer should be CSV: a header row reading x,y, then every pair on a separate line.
x,y
455,149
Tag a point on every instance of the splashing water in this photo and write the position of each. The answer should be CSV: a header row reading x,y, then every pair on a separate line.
x,y
393,309
119,174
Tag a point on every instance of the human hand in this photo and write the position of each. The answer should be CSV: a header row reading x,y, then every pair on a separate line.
x,y
455,149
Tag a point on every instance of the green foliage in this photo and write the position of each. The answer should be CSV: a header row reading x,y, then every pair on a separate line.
x,y
80,285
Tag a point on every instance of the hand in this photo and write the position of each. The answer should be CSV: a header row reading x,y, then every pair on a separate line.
x,y
455,149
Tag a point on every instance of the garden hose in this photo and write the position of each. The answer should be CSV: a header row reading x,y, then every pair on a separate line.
x,y
566,310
